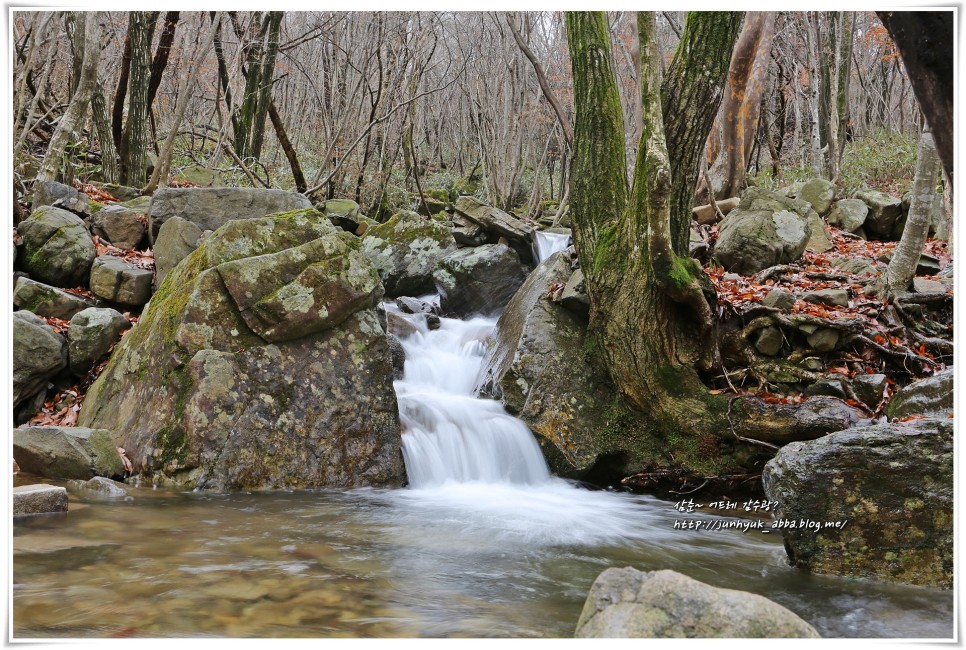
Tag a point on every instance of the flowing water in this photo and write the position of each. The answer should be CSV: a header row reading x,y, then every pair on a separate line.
x,y
546,244
483,543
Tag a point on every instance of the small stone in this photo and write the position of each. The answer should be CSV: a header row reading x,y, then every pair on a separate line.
x,y
575,296
833,387
413,306
922,285
836,297
114,279
814,364
769,341
38,499
824,339
433,322
779,299
870,388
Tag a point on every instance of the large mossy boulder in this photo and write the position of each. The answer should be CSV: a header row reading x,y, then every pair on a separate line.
x,y
39,353
931,397
849,214
478,280
67,452
891,485
405,250
212,207
764,230
57,247
819,193
885,217
48,301
627,603
260,363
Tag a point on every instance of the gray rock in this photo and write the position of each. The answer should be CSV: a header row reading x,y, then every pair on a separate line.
x,y
57,248
398,354
819,192
123,192
884,215
140,204
779,299
210,208
498,223
769,341
823,339
201,176
849,214
120,226
478,280
39,353
927,264
627,603
100,487
115,280
90,336
175,241
932,397
574,296
199,399
899,529
400,327
818,239
467,232
48,301
830,386
870,388
405,250
838,297
755,199
38,499
60,196
922,285
410,305
864,269
67,452
749,242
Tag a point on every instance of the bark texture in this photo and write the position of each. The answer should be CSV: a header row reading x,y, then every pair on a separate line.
x,y
134,147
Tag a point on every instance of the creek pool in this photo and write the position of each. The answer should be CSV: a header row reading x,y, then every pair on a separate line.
x,y
459,560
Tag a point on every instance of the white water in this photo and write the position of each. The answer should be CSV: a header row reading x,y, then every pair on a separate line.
x,y
475,467
546,244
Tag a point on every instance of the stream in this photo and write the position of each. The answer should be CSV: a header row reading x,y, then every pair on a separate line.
x,y
484,542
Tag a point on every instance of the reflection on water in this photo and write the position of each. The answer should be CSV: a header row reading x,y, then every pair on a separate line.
x,y
456,560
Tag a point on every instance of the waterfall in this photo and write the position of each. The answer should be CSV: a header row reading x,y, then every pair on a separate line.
x,y
450,434
546,244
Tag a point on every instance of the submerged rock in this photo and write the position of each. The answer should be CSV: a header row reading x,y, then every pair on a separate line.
x,y
627,603
253,363
879,499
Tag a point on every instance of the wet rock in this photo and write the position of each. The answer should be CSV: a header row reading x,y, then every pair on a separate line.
x,y
39,353
115,280
175,241
498,223
90,336
849,214
38,499
836,297
399,326
932,397
405,250
199,399
67,452
830,386
57,248
779,299
45,300
100,487
898,530
122,227
408,305
627,603
870,388
478,280
753,240
60,196
398,356
819,193
210,208
769,341
885,213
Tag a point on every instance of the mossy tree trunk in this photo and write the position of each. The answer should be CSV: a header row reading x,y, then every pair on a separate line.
x,y
134,139
260,66
648,305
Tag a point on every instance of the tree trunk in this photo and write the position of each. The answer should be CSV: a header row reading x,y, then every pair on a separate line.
x,y
250,128
741,106
134,147
691,94
814,99
102,127
293,161
70,124
160,61
844,77
925,43
902,266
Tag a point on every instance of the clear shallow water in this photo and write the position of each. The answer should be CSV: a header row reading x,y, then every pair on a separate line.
x,y
483,544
